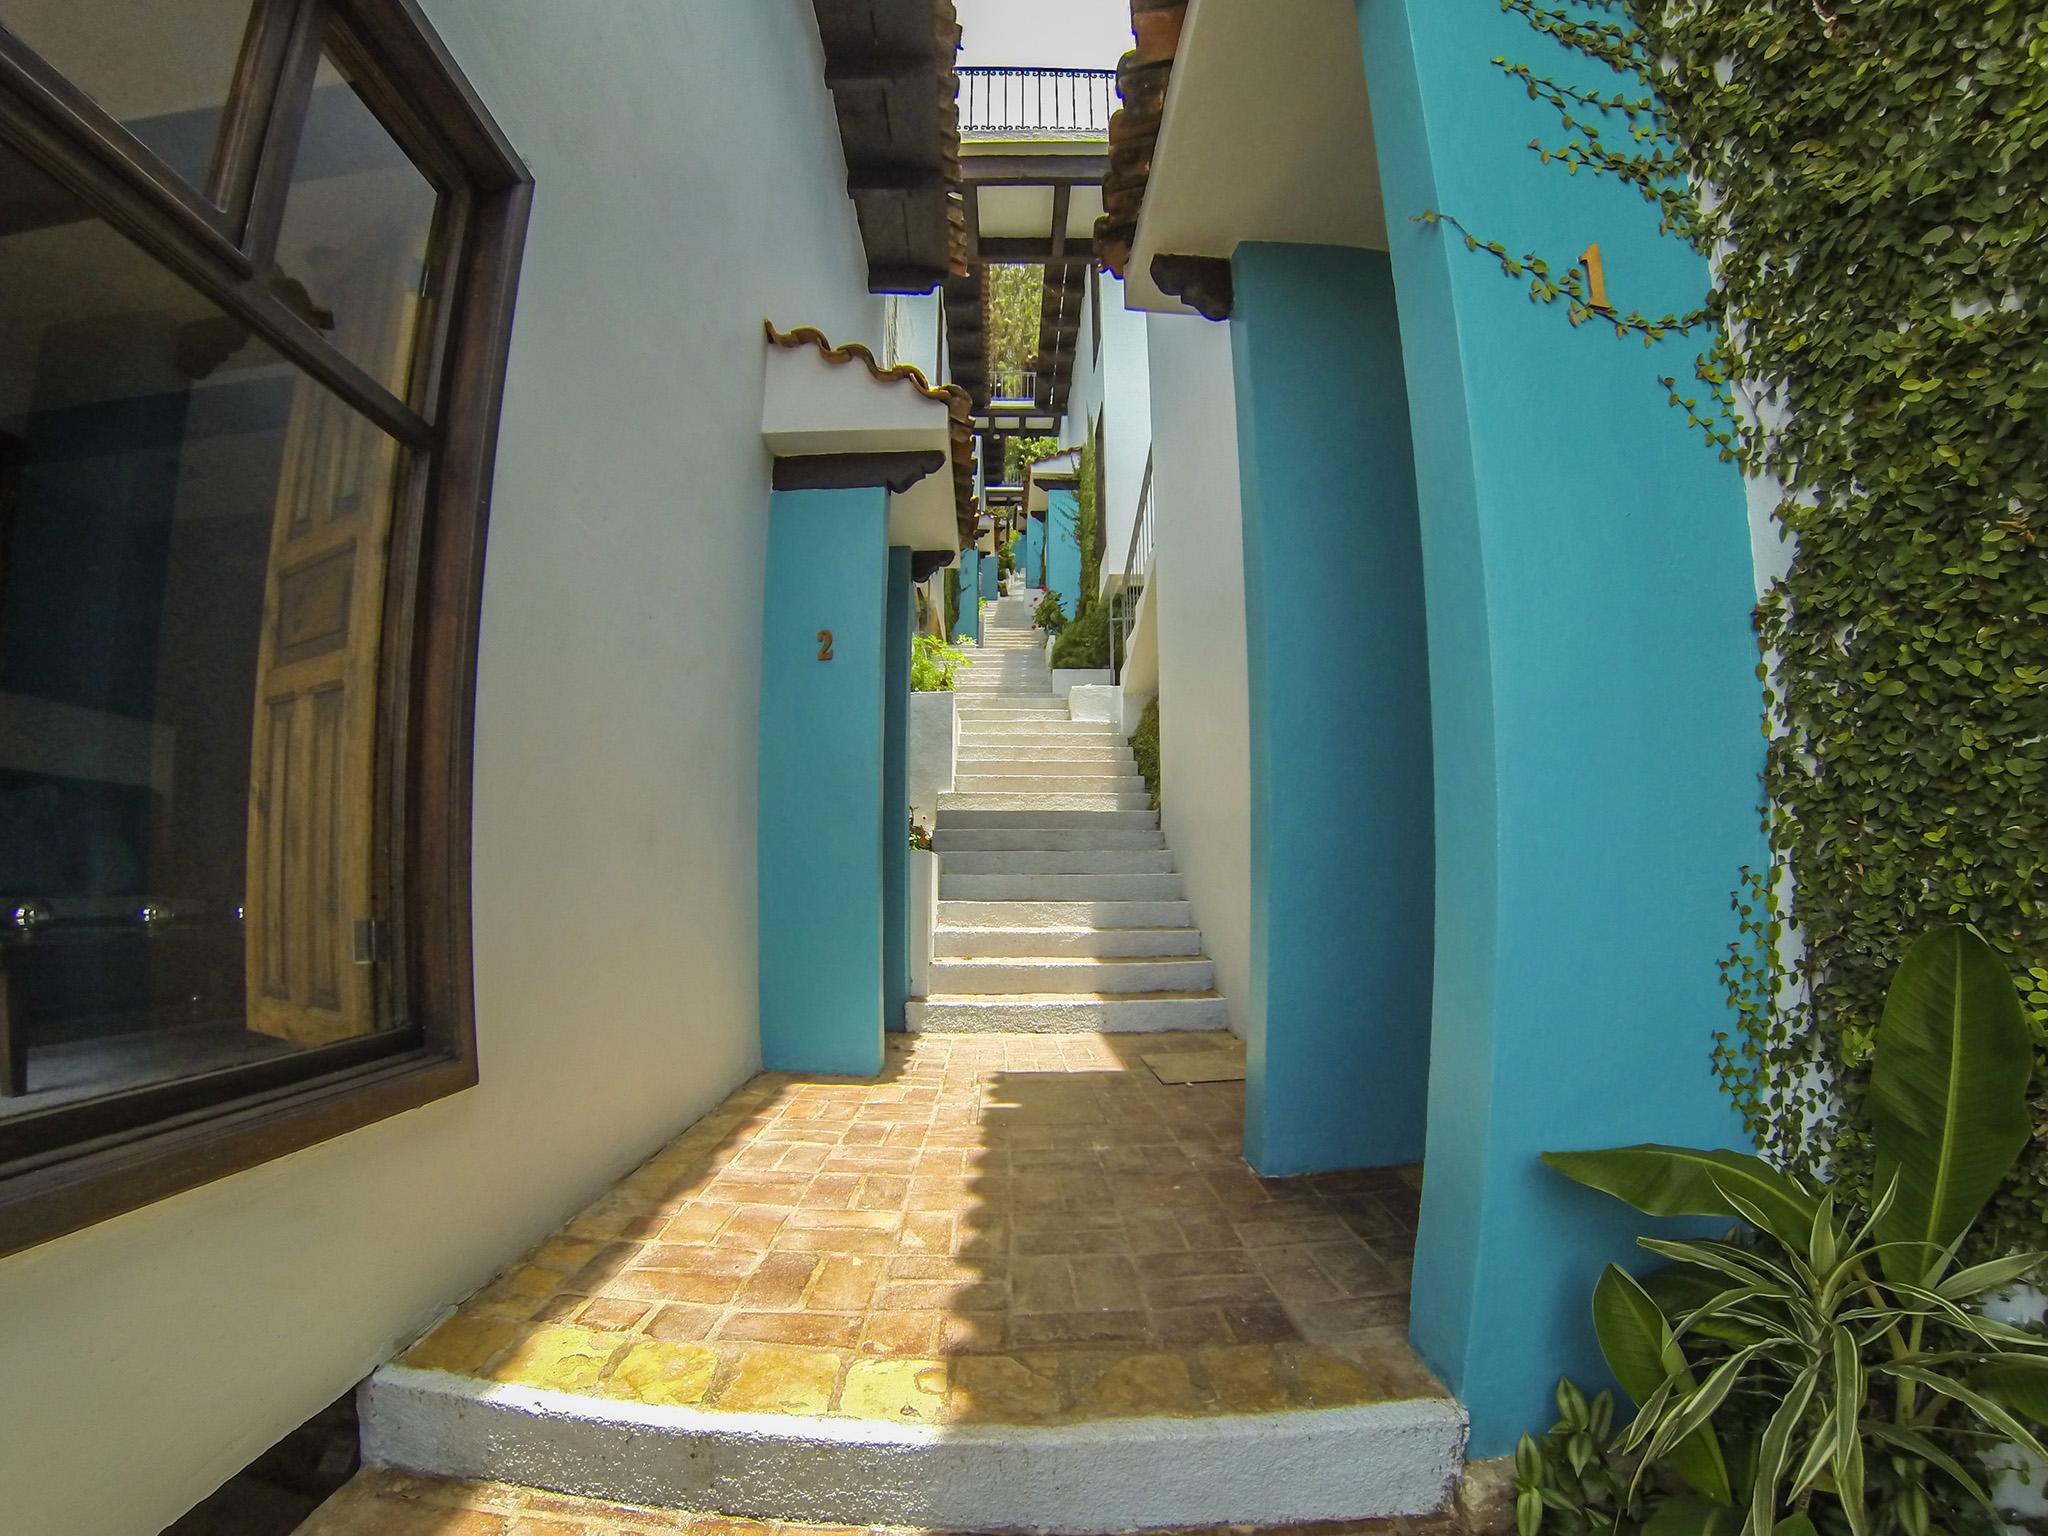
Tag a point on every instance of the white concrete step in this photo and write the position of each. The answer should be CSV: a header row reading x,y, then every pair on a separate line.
x,y
1102,943
1080,974
1007,816
1050,774
1050,839
954,887
974,728
1024,749
1017,800
1365,1462
1048,861
1035,783
1066,914
1055,1013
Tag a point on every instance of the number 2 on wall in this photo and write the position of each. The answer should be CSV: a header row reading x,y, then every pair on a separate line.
x,y
824,645
1596,280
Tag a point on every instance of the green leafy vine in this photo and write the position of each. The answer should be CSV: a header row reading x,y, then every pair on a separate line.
x,y
1875,344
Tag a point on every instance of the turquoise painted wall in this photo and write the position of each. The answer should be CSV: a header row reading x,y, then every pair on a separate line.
x,y
819,836
1063,549
1338,1018
1593,704
990,568
1034,551
967,624
899,620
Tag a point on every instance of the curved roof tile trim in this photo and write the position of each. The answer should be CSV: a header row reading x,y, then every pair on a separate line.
x,y
959,406
953,396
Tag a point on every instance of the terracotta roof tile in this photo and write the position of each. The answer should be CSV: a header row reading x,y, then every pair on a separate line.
x,y
959,408
1142,76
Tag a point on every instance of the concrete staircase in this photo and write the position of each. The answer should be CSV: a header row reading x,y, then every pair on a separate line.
x,y
1059,906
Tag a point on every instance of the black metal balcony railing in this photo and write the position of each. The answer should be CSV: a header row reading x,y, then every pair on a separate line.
x,y
1063,103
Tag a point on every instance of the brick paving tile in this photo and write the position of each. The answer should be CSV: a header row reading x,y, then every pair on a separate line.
x,y
380,1501
1026,1228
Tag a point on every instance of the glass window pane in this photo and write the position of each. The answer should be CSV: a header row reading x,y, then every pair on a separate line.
x,y
192,548
358,226
163,69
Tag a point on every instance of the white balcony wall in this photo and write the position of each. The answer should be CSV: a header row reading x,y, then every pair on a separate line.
x,y
913,334
1197,603
689,182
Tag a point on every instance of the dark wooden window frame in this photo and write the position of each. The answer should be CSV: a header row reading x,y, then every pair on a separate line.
x,y
67,1167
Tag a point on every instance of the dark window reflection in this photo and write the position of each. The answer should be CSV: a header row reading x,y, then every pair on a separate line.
x,y
162,68
358,231
192,540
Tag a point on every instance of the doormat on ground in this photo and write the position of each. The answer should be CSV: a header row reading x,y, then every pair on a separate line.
x,y
1176,1067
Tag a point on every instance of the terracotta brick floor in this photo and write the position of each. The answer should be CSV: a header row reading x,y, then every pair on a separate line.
x,y
1016,1229
385,1503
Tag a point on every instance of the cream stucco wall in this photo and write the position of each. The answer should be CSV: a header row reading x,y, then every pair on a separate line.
x,y
1198,603
689,183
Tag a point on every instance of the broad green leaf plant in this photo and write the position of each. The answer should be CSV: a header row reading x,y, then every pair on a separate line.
x,y
1825,1369
934,665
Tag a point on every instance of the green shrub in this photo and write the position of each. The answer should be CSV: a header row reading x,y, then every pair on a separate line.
x,y
1050,616
1085,642
935,665
952,600
1145,748
1827,1367
1088,524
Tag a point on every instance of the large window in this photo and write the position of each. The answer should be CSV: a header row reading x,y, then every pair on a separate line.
x,y
257,260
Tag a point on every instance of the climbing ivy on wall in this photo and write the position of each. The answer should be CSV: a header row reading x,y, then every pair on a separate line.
x,y
1088,523
1876,344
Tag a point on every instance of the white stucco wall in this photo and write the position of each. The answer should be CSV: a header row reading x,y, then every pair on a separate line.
x,y
1118,384
913,333
1199,595
689,182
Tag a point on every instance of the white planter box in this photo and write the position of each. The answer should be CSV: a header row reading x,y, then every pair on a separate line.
x,y
924,916
934,739
1106,704
1066,679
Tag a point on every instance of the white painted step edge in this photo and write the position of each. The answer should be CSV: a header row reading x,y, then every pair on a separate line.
x,y
1063,1013
1377,1461
1101,976
1051,943
1066,914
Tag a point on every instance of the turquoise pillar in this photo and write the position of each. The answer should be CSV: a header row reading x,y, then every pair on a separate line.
x,y
1337,1021
820,842
1063,548
967,626
1034,550
1592,698
990,566
899,619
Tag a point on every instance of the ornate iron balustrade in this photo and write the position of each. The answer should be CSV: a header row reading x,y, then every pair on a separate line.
x,y
1008,102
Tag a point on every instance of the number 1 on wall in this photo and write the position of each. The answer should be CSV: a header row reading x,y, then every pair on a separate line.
x,y
1596,279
